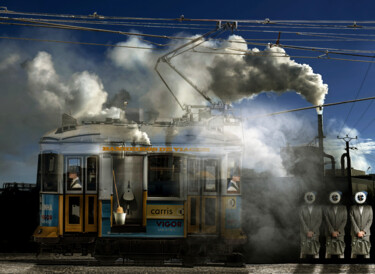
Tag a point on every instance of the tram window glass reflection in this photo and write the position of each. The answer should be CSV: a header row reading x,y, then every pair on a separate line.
x,y
74,178
164,176
234,175
193,175
49,172
92,167
210,175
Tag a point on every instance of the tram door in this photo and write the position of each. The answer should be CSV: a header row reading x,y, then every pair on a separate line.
x,y
81,194
203,200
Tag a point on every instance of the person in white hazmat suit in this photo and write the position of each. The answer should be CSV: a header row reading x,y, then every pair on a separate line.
x,y
361,216
335,216
310,221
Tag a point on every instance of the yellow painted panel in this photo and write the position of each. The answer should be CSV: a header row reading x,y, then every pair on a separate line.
x,y
185,219
193,228
144,212
46,232
73,227
100,218
91,227
165,211
210,229
61,215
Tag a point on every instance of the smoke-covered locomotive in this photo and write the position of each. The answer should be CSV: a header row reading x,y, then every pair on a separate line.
x,y
178,183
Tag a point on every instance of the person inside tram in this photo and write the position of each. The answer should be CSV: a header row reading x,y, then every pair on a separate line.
x,y
75,183
234,184
234,176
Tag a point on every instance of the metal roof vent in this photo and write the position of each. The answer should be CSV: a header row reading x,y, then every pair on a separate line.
x,y
68,123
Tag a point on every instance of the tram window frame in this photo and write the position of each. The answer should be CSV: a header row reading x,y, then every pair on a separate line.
x,y
234,165
49,177
81,174
193,175
204,177
176,177
87,177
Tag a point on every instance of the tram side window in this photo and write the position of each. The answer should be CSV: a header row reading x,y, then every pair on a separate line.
x,y
92,167
164,176
193,175
49,172
234,175
210,175
74,178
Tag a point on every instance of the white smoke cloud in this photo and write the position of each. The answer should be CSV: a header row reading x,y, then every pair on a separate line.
x,y
140,137
84,87
128,58
88,94
231,77
264,138
9,61
236,77
45,85
82,96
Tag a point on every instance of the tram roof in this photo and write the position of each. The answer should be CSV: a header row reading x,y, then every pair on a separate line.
x,y
214,131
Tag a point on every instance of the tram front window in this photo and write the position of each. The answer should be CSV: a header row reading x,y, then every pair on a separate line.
x,y
74,174
164,176
210,175
234,175
49,172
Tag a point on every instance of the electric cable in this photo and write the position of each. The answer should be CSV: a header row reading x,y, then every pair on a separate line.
x,y
76,43
183,19
357,94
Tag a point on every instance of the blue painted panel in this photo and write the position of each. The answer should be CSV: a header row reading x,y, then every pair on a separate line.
x,y
154,229
49,214
170,228
106,217
233,215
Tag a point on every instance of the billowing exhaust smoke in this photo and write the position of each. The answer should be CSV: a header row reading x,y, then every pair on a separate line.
x,y
83,95
237,77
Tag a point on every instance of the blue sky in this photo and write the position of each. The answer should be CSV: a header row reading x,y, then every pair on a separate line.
x,y
343,78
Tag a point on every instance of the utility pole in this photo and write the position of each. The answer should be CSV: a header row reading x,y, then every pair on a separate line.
x,y
347,140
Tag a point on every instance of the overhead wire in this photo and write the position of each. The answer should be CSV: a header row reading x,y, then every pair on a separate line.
x,y
368,125
77,43
238,29
183,19
69,27
115,23
287,23
161,45
278,55
357,95
46,24
199,26
129,24
159,36
311,107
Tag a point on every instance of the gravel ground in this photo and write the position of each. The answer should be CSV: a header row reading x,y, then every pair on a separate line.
x,y
27,263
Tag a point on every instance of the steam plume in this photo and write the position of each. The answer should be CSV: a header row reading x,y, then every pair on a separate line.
x,y
235,78
83,95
